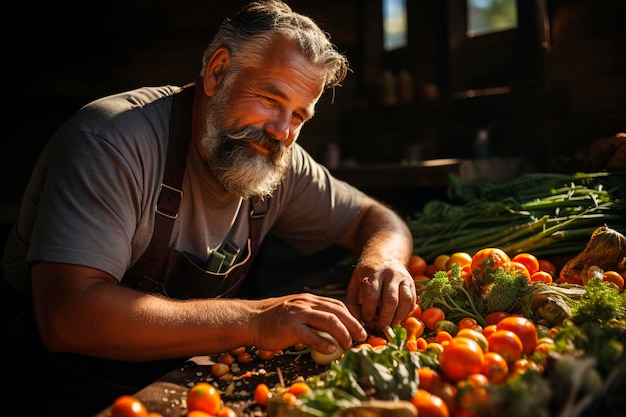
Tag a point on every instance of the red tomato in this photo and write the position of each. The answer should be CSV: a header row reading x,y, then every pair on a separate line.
x,y
417,265
428,377
204,397
467,323
460,358
376,341
549,267
530,261
507,344
495,368
431,316
496,316
524,328
429,405
128,406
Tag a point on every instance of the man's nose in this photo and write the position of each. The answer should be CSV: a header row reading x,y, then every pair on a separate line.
x,y
279,127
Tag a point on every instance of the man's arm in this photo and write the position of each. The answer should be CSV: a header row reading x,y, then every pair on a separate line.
x,y
85,311
381,291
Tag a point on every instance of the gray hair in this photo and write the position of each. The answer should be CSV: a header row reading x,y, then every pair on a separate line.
x,y
247,35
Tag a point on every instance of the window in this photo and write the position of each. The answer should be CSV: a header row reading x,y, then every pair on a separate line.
x,y
394,24
495,45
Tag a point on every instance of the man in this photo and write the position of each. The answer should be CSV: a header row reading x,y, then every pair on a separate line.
x,y
146,209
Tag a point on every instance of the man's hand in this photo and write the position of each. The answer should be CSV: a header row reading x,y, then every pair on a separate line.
x,y
382,294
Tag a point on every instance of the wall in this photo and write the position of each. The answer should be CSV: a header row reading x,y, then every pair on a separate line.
x,y
60,55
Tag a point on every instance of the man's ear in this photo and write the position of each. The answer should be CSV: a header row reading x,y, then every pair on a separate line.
x,y
214,71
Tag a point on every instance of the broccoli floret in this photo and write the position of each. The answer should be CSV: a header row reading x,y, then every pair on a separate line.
x,y
505,290
600,302
449,293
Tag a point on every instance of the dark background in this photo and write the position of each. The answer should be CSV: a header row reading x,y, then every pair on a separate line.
x,y
565,89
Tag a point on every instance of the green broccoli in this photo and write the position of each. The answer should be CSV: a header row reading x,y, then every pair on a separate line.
x,y
449,293
504,291
600,302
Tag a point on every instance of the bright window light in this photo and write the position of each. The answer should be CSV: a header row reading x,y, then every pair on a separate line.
x,y
488,16
394,24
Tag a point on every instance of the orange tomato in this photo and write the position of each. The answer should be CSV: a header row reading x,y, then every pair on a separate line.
x,y
417,312
495,368
414,327
417,265
226,412
529,260
262,394
128,406
476,336
489,259
541,276
428,377
429,405
299,388
441,262
204,397
520,267
547,266
443,337
375,341
460,258
507,344
614,278
490,328
265,355
197,413
431,316
289,398
524,328
460,358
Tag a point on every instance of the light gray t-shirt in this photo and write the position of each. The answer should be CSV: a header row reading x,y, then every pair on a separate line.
x,y
91,197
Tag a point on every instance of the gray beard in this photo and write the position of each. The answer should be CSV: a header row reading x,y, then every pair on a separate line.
x,y
235,165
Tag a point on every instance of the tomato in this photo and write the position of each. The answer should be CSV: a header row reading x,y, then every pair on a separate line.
x,y
507,344
128,406
198,413
226,412
262,394
460,358
467,323
460,258
376,341
428,377
299,388
530,261
476,336
524,328
495,368
549,267
489,259
430,270
466,275
520,267
441,262
429,405
417,312
289,398
490,328
541,276
414,327
443,337
496,316
431,316
266,355
473,393
204,397
614,278
417,265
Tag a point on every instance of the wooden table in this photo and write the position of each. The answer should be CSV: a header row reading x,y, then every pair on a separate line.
x,y
168,394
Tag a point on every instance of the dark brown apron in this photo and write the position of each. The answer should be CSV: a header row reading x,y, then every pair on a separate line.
x,y
166,271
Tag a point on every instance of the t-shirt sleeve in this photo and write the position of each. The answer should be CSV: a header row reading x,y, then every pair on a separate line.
x,y
314,208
